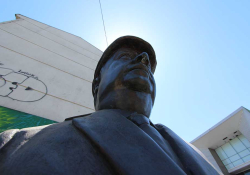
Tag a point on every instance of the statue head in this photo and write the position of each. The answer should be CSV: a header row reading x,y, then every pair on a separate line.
x,y
124,76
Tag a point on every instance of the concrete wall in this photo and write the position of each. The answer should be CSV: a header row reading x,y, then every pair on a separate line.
x,y
220,164
239,120
45,71
207,153
244,126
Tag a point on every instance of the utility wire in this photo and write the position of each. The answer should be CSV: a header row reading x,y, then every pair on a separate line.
x,y
103,23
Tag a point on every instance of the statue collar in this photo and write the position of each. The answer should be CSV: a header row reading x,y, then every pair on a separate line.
x,y
126,147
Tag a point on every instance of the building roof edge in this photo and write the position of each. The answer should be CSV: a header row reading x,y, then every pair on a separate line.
x,y
218,124
17,17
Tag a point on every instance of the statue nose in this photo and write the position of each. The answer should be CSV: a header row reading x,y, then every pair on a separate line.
x,y
143,58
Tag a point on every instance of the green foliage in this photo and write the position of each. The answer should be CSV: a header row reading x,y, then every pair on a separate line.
x,y
12,119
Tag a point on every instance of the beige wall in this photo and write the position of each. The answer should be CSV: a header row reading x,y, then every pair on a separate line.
x,y
239,120
210,158
244,126
57,66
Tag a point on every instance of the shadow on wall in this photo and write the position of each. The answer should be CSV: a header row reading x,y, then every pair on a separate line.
x,y
12,119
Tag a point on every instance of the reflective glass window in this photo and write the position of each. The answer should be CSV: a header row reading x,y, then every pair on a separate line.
x,y
229,166
235,152
237,145
246,159
244,141
226,161
221,153
238,162
228,149
244,153
234,158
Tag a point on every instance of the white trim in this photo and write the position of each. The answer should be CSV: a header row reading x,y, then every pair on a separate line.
x,y
20,16
5,22
219,123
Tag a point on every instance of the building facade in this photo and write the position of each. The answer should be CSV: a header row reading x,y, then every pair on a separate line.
x,y
227,144
45,73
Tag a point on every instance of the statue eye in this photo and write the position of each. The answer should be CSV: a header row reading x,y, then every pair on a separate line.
x,y
125,57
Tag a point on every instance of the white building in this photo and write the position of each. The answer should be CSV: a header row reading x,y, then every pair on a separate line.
x,y
227,144
45,71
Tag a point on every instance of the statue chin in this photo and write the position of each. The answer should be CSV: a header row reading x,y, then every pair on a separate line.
x,y
138,83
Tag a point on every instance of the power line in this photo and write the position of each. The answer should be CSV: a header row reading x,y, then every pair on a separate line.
x,y
103,23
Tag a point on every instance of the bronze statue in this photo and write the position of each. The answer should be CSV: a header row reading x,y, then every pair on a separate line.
x,y
118,138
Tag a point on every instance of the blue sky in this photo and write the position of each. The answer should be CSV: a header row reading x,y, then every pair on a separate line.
x,y
202,49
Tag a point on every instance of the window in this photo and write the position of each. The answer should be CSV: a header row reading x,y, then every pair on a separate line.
x,y
235,152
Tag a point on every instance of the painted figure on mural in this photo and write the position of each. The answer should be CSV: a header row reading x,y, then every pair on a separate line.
x,y
118,138
21,86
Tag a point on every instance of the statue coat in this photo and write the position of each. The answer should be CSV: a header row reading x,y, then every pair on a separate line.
x,y
104,142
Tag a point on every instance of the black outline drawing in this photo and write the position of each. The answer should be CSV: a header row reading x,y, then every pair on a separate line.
x,y
27,75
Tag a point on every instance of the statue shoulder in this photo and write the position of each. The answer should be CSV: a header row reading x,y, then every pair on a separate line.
x,y
78,116
6,136
56,145
18,135
160,126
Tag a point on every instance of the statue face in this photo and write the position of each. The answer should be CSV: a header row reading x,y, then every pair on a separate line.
x,y
127,80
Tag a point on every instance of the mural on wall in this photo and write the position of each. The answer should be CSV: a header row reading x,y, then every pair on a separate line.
x,y
12,119
21,86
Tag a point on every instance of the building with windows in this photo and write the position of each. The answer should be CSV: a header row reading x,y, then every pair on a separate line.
x,y
227,144
45,74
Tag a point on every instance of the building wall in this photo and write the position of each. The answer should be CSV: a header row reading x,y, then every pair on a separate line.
x,y
234,153
207,153
226,131
244,126
218,162
45,71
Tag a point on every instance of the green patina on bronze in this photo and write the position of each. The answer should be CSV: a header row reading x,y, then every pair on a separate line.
x,y
12,119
